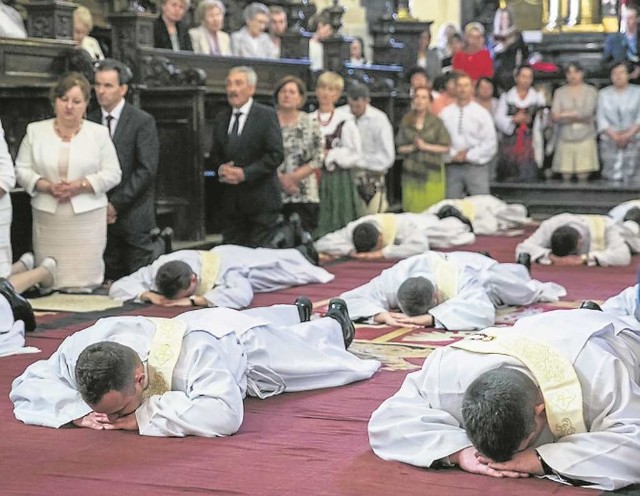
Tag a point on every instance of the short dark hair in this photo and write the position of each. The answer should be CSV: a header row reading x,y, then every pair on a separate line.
x,y
564,241
365,237
451,211
415,296
68,81
498,412
124,72
173,277
416,70
295,80
358,91
632,214
105,366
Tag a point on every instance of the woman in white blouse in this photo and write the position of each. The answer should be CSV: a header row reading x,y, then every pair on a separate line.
x,y
67,164
339,199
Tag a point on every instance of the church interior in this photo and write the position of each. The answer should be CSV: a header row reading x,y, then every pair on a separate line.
x,y
312,442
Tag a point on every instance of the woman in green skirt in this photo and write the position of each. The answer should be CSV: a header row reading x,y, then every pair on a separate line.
x,y
422,140
339,199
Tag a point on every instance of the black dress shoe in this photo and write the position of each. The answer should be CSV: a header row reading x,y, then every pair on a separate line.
x,y
309,252
338,311
167,238
524,259
305,308
20,307
590,305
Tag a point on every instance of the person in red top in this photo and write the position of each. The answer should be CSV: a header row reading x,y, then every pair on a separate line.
x,y
475,59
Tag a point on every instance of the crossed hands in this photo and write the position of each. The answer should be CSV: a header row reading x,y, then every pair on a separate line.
x,y
63,191
523,464
367,255
101,422
400,319
230,174
569,260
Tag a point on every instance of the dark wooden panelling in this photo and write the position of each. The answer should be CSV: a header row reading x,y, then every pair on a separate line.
x,y
179,115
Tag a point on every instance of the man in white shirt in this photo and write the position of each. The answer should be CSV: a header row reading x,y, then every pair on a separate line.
x,y
186,376
225,276
474,143
557,395
378,148
569,239
387,236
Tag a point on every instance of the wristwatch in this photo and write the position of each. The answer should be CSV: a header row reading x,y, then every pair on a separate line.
x,y
585,259
84,185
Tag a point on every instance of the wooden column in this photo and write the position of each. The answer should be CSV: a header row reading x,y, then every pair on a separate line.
x,y
130,31
50,19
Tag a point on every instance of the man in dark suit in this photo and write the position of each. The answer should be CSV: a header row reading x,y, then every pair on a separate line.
x,y
247,150
131,208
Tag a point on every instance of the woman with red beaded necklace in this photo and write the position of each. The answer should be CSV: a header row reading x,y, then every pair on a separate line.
x,y
67,165
339,199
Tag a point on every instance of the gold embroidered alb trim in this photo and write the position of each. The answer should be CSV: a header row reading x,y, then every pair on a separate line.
x,y
554,373
209,270
163,355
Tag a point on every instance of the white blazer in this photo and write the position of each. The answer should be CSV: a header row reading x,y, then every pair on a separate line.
x,y
91,156
200,41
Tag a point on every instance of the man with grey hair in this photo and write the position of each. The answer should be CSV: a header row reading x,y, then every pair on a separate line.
x,y
247,150
378,148
557,396
252,40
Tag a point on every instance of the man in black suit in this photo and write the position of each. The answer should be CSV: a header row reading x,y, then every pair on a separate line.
x,y
247,150
131,208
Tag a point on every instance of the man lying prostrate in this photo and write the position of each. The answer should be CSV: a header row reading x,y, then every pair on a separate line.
x,y
568,239
628,214
424,290
187,375
388,236
16,317
489,405
225,276
487,214
456,291
624,303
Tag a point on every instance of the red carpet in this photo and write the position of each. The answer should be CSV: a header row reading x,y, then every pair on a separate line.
x,y
296,444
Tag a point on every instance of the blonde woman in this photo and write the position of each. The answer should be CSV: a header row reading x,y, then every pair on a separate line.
x,y
82,26
422,140
339,199
208,37
67,165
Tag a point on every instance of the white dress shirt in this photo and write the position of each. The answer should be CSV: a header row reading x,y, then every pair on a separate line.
x,y
244,110
471,128
115,114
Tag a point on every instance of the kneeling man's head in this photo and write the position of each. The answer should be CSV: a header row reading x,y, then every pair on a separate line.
x,y
502,413
632,214
110,378
565,240
366,237
176,280
416,296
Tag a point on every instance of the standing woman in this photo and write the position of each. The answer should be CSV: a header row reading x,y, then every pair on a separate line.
x,y
423,140
168,30
67,165
515,118
574,112
302,153
339,199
